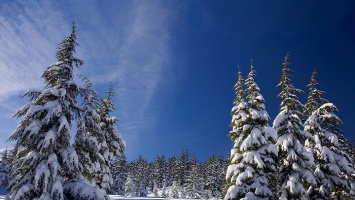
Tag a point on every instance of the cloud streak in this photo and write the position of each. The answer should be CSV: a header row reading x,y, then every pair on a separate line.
x,y
143,57
131,48
27,35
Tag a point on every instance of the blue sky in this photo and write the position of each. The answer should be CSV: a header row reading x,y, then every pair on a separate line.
x,y
173,64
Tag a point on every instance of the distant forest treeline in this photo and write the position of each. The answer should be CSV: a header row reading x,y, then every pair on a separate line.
x,y
174,177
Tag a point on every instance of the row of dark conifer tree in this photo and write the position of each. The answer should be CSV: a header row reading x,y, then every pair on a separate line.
x,y
174,177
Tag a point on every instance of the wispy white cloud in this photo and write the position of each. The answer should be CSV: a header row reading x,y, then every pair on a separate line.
x,y
143,57
132,50
27,34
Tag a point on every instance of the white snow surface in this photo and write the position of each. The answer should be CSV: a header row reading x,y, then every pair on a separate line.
x,y
114,197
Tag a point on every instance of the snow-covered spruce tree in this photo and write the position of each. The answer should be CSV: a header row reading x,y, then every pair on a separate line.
x,y
324,143
44,159
171,171
239,111
183,166
45,166
212,172
194,183
163,191
239,119
119,175
332,168
294,161
160,171
351,153
223,164
89,137
225,186
141,174
113,145
4,169
130,186
155,188
150,183
141,190
174,192
347,150
257,150
259,147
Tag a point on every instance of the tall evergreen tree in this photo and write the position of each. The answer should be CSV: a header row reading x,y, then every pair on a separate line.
x,y
331,170
194,183
160,171
260,141
256,162
239,119
89,137
174,192
4,169
352,163
44,158
150,178
119,174
183,166
172,171
213,170
113,145
44,164
294,161
141,174
347,151
130,186
239,111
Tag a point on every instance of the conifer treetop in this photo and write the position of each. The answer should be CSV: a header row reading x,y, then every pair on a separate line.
x,y
256,101
67,47
314,100
252,87
61,72
107,105
288,95
239,111
238,87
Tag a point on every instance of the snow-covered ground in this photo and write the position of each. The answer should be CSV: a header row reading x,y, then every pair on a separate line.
x,y
150,196
113,197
